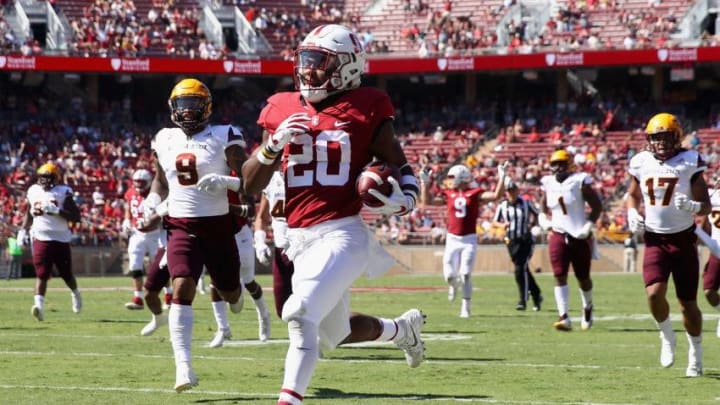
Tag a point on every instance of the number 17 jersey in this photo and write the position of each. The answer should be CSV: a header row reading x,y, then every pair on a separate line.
x,y
185,160
660,181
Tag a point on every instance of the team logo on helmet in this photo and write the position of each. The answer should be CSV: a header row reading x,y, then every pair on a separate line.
x,y
334,50
459,174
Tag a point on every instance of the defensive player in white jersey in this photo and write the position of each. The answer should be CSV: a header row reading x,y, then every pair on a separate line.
x,y
323,135
271,212
243,208
192,169
143,239
50,208
669,181
711,273
570,240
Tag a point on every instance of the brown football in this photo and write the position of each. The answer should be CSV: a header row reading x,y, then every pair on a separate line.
x,y
375,176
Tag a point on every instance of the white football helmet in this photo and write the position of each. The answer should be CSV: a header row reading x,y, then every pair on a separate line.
x,y
459,174
141,179
338,52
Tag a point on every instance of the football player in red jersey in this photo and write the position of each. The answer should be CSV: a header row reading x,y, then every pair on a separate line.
x,y
463,202
142,240
669,181
322,136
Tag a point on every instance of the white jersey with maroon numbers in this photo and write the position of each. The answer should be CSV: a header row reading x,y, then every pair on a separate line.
x,y
186,160
659,182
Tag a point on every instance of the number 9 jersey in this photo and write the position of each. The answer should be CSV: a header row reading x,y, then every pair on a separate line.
x,y
185,160
659,181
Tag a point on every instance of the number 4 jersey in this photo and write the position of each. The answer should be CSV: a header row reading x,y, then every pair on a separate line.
x,y
185,160
659,182
320,166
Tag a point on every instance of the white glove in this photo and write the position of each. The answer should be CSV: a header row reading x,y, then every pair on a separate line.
x,y
683,202
636,223
398,203
586,230
126,226
51,209
544,222
22,237
215,184
293,125
163,208
262,250
502,168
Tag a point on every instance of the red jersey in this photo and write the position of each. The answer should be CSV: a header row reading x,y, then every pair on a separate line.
x,y
234,199
134,200
320,167
463,209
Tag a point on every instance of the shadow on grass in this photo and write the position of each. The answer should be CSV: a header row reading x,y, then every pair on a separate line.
x,y
331,393
713,375
632,330
139,321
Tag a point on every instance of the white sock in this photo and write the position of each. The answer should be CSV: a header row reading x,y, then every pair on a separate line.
x,y
168,290
180,324
138,294
76,292
665,328
390,330
694,341
39,300
261,306
586,297
302,356
561,299
467,287
220,312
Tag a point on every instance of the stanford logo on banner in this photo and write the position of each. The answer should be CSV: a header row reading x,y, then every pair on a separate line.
x,y
662,54
550,59
228,66
115,63
442,64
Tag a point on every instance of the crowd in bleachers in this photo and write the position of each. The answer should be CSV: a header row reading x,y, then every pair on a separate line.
x,y
170,27
118,28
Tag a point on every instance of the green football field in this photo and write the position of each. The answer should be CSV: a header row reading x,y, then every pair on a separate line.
x,y
498,356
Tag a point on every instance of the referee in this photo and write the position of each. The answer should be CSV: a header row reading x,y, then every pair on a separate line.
x,y
514,214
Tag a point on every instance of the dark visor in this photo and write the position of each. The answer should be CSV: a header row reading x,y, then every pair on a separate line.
x,y
316,60
189,103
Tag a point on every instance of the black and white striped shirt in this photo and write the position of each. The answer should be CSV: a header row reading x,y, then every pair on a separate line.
x,y
517,215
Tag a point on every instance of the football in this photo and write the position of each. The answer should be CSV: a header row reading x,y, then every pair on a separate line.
x,y
375,177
